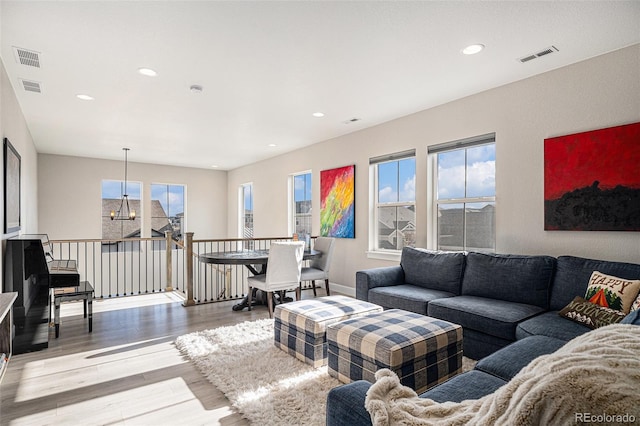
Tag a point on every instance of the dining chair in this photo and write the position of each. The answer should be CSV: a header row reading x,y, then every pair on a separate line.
x,y
318,269
283,271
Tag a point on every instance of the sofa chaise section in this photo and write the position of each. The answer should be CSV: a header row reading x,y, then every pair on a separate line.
x,y
571,279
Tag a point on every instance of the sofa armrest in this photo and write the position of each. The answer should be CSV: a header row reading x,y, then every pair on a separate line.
x,y
345,405
377,277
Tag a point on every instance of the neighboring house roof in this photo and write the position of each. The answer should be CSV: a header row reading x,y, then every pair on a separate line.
x,y
116,229
387,216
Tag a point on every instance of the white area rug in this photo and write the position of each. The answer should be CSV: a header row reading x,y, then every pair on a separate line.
x,y
267,386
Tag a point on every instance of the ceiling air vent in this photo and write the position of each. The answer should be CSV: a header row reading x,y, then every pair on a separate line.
x,y
351,120
27,57
539,54
31,86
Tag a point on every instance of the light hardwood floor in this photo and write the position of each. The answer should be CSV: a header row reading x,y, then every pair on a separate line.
x,y
126,372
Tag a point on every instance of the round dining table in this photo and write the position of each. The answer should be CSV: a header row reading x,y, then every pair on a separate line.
x,y
254,260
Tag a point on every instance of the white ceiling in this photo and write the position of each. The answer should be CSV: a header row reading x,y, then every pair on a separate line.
x,y
267,66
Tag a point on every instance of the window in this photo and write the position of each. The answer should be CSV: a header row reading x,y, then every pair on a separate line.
x,y
394,195
465,194
301,203
246,211
112,192
167,210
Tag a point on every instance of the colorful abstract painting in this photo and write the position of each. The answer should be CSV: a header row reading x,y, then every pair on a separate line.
x,y
337,202
592,180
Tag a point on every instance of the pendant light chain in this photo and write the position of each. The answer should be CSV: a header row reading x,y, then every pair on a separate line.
x,y
130,214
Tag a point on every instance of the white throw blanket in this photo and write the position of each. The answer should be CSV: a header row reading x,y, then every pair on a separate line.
x,y
596,376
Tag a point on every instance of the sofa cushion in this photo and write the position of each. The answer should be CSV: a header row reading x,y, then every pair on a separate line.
x,y
550,324
573,273
586,313
433,269
612,292
473,384
513,278
508,361
494,317
407,297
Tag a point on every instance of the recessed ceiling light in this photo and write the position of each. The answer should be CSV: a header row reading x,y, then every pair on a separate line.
x,y
272,145
215,166
473,49
84,97
148,72
318,114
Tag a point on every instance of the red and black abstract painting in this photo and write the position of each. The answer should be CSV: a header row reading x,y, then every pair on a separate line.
x,y
592,180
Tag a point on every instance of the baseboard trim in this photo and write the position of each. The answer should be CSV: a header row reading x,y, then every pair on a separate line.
x,y
342,289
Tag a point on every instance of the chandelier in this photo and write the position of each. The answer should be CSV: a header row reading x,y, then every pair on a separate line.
x,y
124,212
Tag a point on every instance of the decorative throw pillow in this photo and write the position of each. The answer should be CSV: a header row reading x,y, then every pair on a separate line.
x,y
612,292
589,314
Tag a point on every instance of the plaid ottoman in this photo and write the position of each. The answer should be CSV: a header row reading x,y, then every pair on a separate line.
x,y
421,350
300,326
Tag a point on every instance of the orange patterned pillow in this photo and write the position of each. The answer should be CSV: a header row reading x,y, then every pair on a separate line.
x,y
612,292
590,314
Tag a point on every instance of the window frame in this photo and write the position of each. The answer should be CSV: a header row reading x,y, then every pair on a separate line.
x,y
432,195
292,216
184,206
374,251
123,190
241,210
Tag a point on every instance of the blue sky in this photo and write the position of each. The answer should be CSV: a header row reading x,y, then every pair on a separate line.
x,y
115,188
248,196
397,181
302,187
170,196
480,168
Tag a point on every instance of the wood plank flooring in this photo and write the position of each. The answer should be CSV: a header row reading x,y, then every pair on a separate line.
x,y
126,372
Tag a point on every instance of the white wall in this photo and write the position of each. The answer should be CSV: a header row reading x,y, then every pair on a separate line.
x,y
13,127
597,93
70,204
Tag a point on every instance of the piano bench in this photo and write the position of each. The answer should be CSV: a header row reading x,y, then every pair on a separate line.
x,y
83,291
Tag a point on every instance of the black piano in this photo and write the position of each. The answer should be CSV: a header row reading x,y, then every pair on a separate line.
x,y
30,270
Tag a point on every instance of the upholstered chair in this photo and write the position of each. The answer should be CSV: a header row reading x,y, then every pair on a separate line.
x,y
319,267
283,271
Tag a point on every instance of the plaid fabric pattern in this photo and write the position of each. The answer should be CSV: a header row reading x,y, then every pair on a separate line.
x,y
314,354
300,327
422,351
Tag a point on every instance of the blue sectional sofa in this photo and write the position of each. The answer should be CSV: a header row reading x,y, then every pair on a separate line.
x,y
496,298
507,305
